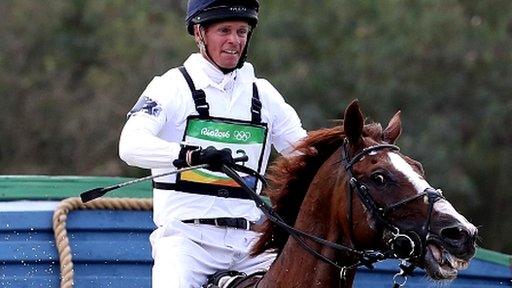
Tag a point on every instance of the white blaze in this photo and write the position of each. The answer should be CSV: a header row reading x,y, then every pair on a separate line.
x,y
441,206
416,179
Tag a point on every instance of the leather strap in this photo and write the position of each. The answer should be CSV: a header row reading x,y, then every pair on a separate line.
x,y
238,223
199,96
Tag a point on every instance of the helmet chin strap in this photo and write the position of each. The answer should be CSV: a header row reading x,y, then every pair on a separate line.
x,y
204,51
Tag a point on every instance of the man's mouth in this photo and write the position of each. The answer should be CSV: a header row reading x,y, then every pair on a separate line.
x,y
231,52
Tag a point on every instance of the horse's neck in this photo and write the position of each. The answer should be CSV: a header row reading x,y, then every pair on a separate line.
x,y
295,267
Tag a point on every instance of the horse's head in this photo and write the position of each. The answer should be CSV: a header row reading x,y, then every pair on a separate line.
x,y
399,207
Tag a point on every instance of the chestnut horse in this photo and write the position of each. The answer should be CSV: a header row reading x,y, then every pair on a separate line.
x,y
353,199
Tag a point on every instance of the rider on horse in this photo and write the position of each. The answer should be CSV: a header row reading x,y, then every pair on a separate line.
x,y
208,111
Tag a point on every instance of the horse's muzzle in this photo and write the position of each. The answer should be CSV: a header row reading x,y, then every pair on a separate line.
x,y
449,250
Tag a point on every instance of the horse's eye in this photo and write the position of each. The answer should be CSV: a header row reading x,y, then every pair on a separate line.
x,y
379,179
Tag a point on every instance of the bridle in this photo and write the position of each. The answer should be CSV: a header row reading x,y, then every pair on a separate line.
x,y
407,244
403,245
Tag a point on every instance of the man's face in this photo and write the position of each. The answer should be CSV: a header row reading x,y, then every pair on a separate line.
x,y
226,41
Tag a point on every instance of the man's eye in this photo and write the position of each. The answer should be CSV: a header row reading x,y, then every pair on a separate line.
x,y
243,32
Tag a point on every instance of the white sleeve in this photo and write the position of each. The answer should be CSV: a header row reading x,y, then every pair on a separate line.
x,y
139,144
286,125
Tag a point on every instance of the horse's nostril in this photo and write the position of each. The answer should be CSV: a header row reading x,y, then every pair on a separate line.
x,y
454,233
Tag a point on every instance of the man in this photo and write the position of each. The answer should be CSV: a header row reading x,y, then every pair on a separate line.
x,y
207,112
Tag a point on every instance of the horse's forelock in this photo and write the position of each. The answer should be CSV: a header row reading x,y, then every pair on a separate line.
x,y
373,130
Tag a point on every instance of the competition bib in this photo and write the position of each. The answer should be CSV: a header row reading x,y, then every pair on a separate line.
x,y
243,138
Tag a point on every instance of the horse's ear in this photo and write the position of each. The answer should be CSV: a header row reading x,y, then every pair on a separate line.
x,y
394,129
353,122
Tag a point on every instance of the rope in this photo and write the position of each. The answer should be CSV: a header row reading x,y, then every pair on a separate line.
x,y
61,235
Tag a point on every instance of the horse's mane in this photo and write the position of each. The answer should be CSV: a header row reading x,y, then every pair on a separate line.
x,y
290,177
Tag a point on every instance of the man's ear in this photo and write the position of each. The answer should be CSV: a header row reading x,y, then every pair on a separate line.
x,y
199,36
197,33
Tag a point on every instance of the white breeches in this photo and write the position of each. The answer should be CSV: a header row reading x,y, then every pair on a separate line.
x,y
186,254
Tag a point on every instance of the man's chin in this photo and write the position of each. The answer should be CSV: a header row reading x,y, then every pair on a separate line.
x,y
228,61
229,66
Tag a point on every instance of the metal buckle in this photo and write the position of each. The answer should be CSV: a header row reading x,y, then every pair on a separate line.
x,y
405,237
216,222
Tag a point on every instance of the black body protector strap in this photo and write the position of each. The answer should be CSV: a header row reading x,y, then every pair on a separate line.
x,y
202,106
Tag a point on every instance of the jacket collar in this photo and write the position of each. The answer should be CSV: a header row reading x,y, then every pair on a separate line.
x,y
206,74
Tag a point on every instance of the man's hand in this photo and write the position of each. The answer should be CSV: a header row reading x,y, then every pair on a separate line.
x,y
210,155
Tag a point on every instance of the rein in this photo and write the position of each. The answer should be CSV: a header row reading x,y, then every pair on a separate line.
x,y
295,233
365,257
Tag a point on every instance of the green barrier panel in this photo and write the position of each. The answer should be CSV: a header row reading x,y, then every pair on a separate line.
x,y
60,187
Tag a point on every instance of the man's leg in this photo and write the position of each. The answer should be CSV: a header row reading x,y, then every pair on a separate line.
x,y
246,263
175,265
185,255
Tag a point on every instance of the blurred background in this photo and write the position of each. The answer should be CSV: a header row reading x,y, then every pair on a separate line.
x,y
70,70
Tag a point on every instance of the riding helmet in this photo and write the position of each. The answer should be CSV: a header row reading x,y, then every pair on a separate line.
x,y
209,11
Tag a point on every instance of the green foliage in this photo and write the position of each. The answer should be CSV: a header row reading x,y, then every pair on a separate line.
x,y
70,70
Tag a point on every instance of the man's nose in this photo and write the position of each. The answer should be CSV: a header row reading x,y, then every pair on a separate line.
x,y
234,38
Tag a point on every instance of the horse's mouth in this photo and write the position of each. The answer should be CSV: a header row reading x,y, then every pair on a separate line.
x,y
440,264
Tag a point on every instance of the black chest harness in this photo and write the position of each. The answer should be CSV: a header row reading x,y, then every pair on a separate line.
x,y
203,109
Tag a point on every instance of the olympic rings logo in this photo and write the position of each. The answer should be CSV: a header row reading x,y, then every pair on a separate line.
x,y
241,135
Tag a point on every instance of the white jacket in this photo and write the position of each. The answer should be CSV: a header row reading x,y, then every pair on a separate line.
x,y
151,137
